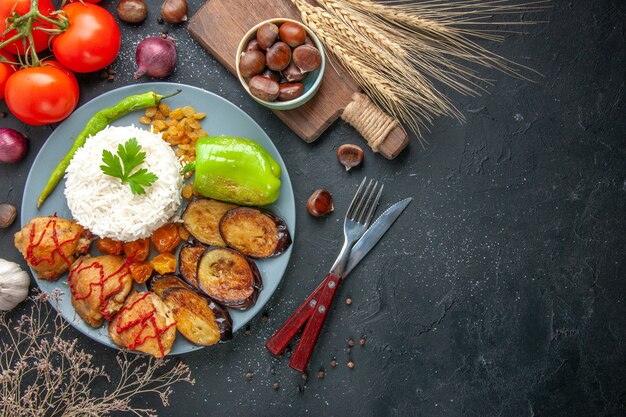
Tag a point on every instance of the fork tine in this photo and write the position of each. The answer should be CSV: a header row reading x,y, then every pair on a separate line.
x,y
367,205
362,198
372,210
351,209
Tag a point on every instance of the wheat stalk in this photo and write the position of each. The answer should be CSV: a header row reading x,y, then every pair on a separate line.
x,y
393,49
375,69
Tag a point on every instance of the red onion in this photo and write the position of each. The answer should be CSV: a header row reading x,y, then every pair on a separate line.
x,y
156,56
13,145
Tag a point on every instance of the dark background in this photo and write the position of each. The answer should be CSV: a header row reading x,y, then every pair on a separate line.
x,y
499,292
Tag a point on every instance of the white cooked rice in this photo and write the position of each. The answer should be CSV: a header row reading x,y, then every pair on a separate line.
x,y
107,207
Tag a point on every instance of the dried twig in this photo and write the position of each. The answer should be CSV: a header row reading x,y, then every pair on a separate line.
x,y
44,374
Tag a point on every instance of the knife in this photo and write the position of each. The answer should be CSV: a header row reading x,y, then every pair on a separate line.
x,y
371,237
279,341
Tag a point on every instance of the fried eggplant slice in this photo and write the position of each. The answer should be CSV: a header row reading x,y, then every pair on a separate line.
x,y
229,278
198,318
158,284
145,324
255,233
202,219
188,262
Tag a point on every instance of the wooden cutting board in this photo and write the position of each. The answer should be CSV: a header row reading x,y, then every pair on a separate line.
x,y
219,26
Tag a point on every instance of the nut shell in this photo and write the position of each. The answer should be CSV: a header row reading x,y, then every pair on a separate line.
x,y
290,91
307,58
251,63
253,45
278,56
266,35
132,11
264,88
292,34
350,156
273,75
320,203
293,74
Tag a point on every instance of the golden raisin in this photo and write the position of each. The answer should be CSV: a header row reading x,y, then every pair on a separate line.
x,y
176,114
164,109
166,238
199,116
109,246
164,263
140,271
137,249
188,191
150,111
145,120
159,116
158,125
189,111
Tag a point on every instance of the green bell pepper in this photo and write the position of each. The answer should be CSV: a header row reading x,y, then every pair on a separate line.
x,y
236,170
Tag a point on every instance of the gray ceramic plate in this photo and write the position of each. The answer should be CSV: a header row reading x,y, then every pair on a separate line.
x,y
223,118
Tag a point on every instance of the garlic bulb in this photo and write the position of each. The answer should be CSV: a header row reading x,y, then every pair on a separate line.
x,y
14,284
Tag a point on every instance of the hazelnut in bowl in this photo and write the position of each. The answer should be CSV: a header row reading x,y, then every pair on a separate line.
x,y
280,62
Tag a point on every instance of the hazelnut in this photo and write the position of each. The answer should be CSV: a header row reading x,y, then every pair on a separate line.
x,y
266,35
251,63
350,156
264,88
290,91
253,45
278,56
132,11
8,212
273,75
293,74
292,34
174,11
320,203
307,58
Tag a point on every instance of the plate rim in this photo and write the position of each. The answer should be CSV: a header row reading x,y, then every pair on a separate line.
x,y
152,86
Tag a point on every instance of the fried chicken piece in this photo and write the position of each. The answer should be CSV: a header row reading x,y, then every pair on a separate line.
x,y
145,323
99,287
51,244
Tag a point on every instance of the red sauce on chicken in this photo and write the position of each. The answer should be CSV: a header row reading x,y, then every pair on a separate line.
x,y
35,240
120,273
146,321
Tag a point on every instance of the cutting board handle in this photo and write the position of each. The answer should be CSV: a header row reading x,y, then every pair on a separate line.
x,y
382,132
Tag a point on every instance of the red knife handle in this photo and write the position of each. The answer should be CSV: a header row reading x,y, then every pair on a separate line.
x,y
303,352
279,341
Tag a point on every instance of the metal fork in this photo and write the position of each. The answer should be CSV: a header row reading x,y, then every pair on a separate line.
x,y
356,222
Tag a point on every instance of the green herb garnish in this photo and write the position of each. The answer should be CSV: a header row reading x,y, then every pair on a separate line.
x,y
129,157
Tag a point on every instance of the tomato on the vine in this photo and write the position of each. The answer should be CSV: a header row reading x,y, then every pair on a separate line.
x,y
21,7
92,40
6,70
43,94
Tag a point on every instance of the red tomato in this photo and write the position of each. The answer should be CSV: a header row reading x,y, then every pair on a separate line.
x,y
84,1
21,7
6,70
91,42
42,95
